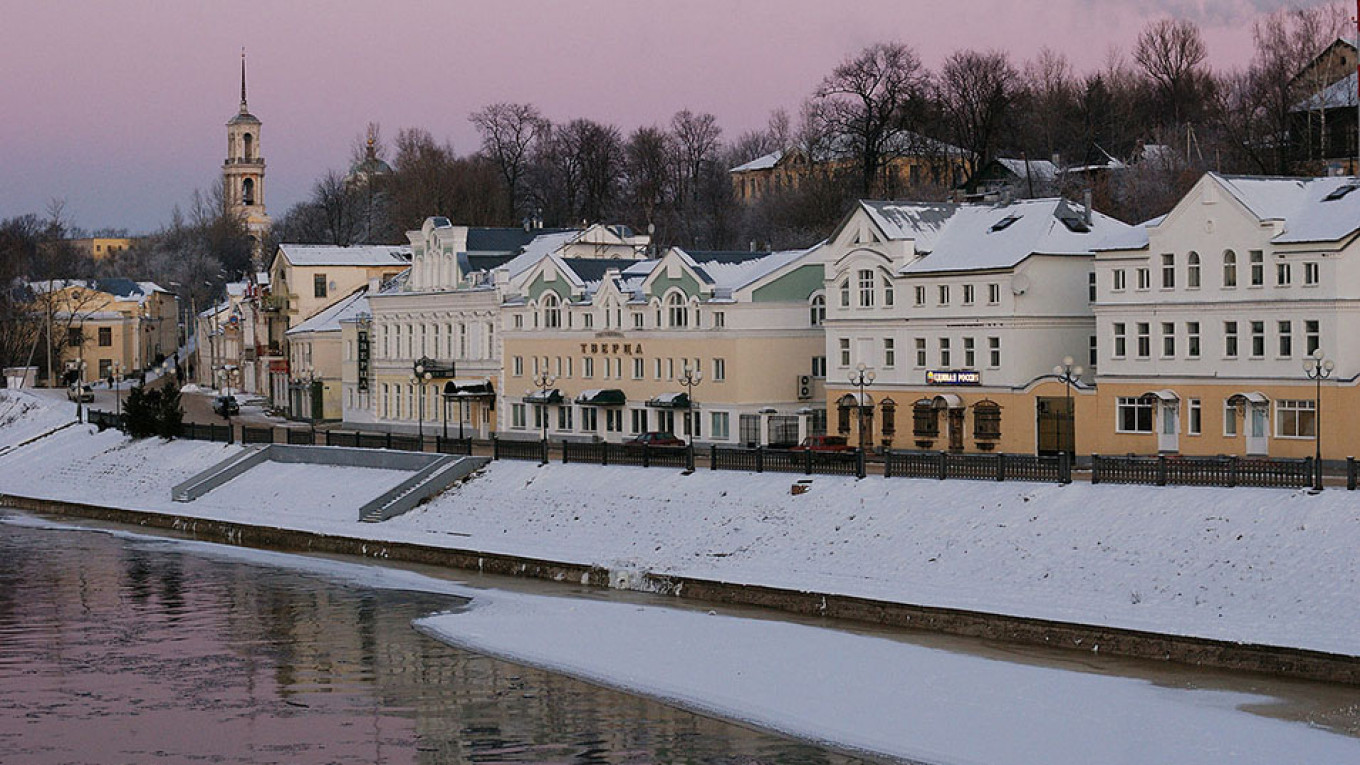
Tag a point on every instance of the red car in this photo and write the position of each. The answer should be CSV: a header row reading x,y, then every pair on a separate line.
x,y
655,438
824,444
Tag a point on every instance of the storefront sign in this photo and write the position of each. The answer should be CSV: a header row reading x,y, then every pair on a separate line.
x,y
953,377
363,359
626,349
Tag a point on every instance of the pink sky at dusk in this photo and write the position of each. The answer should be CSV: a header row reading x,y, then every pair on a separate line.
x,y
119,107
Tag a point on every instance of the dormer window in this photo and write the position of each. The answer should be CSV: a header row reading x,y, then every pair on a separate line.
x,y
552,311
677,310
1005,223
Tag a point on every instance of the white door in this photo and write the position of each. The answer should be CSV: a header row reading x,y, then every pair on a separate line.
x,y
1168,430
1258,426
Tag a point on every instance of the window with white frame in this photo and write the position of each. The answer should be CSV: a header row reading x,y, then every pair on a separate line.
x,y
819,366
845,292
639,320
920,294
944,294
1168,271
639,368
1091,287
1258,339
588,367
1286,334
1168,340
1230,339
944,352
589,419
968,294
1144,339
1284,273
719,370
1310,274
844,345
866,288
1144,278
1192,266
517,419
889,352
1192,339
613,420
1133,414
519,366
1296,418
888,294
1092,351
993,294
639,421
920,353
1258,268
677,310
1119,280
1229,420
1120,345
1229,269
1196,417
994,352
816,314
1311,336
969,353
552,311
720,426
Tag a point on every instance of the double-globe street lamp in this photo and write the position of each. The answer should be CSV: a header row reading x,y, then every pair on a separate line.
x,y
421,374
544,381
76,368
1317,368
690,377
861,378
1069,374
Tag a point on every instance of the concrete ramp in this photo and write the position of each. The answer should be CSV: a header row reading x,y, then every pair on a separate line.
x,y
430,473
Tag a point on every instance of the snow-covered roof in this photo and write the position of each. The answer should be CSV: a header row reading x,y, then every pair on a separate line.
x,y
329,320
1312,209
1038,169
354,255
1133,238
1338,95
760,163
537,249
732,271
979,237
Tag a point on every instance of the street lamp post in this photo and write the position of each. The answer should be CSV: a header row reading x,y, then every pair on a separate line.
x,y
861,378
78,367
422,374
1069,374
543,381
690,377
116,382
1317,368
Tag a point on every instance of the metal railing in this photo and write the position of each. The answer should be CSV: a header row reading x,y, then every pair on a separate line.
x,y
762,460
1165,470
977,466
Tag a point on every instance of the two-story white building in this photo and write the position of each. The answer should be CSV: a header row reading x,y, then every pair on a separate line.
x,y
1207,316
957,314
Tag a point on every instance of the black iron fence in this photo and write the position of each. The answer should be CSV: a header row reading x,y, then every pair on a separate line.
x,y
1171,470
1162,470
977,467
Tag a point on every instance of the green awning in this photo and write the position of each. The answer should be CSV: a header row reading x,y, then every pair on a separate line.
x,y
549,396
670,401
602,397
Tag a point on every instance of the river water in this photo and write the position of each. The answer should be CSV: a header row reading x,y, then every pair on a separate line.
x,y
124,649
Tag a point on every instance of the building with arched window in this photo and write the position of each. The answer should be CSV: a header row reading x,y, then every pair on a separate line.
x,y
243,170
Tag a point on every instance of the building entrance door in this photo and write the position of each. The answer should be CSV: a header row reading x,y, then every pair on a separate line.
x,y
1258,428
1168,430
1055,425
955,430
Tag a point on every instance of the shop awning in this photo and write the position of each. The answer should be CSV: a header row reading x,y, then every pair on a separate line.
x,y
1242,399
468,388
670,401
1165,395
602,397
549,396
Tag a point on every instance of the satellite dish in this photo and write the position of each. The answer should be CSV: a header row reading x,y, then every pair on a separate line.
x,y
1019,284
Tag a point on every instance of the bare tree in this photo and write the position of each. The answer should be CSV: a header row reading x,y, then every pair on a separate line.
x,y
509,132
977,91
697,137
869,101
1171,54
650,182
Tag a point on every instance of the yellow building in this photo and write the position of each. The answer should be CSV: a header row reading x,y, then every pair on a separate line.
x,y
316,351
919,161
108,325
716,347
101,247
1209,318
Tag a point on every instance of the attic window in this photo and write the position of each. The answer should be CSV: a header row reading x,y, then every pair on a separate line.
x,y
1076,225
1341,191
1005,222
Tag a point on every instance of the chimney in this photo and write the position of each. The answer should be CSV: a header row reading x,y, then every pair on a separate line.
x,y
1086,207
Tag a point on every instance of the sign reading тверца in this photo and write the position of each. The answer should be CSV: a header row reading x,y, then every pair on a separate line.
x,y
953,377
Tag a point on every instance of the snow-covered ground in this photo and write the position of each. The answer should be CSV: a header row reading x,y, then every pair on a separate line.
x,y
1254,565
24,416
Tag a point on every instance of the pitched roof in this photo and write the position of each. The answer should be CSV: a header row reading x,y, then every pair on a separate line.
x,y
504,240
1312,209
764,162
980,237
374,255
329,320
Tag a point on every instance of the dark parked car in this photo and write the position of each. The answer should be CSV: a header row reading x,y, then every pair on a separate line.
x,y
226,406
824,444
655,438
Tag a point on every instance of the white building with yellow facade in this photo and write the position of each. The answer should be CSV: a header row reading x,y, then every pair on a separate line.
x,y
953,317
1208,316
